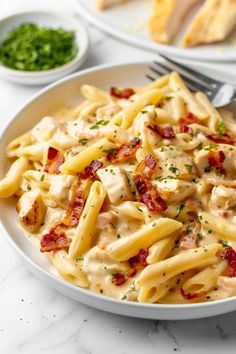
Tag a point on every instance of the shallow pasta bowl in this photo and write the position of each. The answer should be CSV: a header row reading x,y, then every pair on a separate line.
x,y
51,20
67,91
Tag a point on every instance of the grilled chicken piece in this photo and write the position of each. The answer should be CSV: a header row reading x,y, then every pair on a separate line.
x,y
103,4
31,210
167,16
228,163
174,189
213,23
223,198
174,163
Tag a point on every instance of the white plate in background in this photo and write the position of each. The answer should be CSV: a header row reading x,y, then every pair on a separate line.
x,y
128,23
67,91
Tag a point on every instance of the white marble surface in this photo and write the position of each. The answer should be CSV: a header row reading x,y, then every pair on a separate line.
x,y
36,319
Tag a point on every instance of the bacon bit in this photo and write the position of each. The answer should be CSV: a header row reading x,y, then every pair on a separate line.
x,y
140,259
53,241
224,139
229,255
76,205
165,133
125,151
149,195
224,213
216,159
125,93
150,162
118,279
193,295
186,129
54,160
90,171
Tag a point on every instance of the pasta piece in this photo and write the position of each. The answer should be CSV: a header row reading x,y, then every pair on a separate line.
x,y
132,210
221,226
177,84
214,116
85,229
15,146
158,83
85,157
153,294
205,280
68,268
160,249
127,115
94,94
158,273
177,106
127,247
10,183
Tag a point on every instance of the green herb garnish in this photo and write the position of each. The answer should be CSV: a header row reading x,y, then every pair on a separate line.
x,y
32,48
99,122
220,128
179,209
188,167
83,141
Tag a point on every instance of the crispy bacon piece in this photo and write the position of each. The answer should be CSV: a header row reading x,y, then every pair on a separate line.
x,y
192,295
140,259
150,162
229,255
188,241
224,139
76,205
149,195
146,167
53,241
125,93
118,279
90,171
165,133
185,121
125,151
216,159
54,160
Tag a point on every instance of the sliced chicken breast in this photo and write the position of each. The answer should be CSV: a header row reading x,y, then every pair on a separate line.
x,y
214,22
167,16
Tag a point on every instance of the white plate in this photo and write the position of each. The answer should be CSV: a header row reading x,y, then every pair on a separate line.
x,y
127,22
67,90
52,20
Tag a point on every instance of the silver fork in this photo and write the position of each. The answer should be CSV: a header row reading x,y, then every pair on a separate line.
x,y
221,95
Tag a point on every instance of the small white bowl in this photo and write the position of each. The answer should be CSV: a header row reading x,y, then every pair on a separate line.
x,y
52,20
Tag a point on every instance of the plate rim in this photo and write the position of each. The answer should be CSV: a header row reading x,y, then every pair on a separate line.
x,y
152,47
104,300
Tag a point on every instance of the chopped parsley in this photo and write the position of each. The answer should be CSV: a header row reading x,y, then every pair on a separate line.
x,y
225,243
110,151
98,123
124,297
199,236
200,146
207,169
220,128
195,181
42,178
174,170
83,141
29,187
188,167
211,146
179,209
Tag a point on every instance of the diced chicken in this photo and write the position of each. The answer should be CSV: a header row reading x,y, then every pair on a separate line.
x,y
31,210
44,130
175,163
60,187
228,164
214,21
103,4
106,218
188,241
174,189
108,111
167,16
223,198
82,130
227,284
115,181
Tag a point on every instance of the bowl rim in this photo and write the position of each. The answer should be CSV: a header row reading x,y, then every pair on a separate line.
x,y
79,28
65,284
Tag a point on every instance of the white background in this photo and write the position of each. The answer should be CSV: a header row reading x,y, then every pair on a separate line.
x,y
35,319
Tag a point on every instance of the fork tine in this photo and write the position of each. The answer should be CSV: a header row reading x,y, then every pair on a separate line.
x,y
201,77
166,71
195,86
